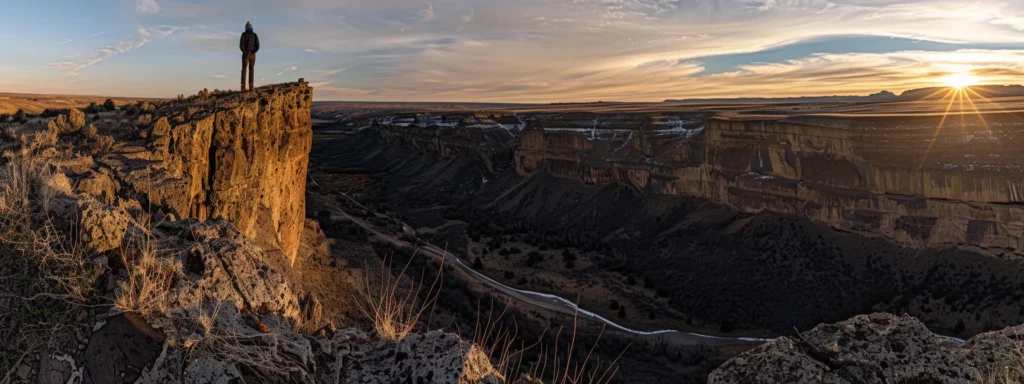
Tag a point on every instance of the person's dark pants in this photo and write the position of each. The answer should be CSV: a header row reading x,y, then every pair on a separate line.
x,y
248,61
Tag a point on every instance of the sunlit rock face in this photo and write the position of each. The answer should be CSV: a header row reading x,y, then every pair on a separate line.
x,y
241,157
919,181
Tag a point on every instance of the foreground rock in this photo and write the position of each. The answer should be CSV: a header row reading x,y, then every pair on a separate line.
x,y
879,348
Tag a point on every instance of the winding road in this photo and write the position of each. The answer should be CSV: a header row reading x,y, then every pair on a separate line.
x,y
543,300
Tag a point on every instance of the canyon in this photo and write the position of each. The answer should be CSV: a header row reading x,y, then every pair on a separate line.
x,y
759,217
919,181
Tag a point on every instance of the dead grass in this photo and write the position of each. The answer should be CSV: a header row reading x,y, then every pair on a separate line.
x,y
394,314
146,291
257,355
500,344
46,276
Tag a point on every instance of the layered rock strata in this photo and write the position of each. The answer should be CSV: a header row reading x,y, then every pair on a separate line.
x,y
921,181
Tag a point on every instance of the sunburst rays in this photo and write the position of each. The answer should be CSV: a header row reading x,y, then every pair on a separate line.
x,y
962,96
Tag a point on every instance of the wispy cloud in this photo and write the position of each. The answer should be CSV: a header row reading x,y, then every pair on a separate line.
x,y
313,51
217,76
72,68
64,41
98,34
286,70
467,18
147,6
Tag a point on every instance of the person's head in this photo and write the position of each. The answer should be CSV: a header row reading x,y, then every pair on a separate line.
x,y
248,26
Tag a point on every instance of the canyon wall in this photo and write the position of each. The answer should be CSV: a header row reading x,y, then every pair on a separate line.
x,y
241,157
921,181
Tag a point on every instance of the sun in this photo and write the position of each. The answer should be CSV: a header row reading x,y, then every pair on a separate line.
x,y
960,80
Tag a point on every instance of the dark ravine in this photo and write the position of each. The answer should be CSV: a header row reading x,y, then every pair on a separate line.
x,y
755,266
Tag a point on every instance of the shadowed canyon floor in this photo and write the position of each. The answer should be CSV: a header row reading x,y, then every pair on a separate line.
x,y
758,218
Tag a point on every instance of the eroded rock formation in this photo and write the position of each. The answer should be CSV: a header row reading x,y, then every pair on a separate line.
x,y
239,157
878,348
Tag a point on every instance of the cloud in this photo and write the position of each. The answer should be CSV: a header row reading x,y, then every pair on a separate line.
x,y
1015,22
427,14
291,68
467,18
313,51
64,41
97,34
145,36
217,76
147,6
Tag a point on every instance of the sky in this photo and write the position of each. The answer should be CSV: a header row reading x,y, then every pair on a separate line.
x,y
512,50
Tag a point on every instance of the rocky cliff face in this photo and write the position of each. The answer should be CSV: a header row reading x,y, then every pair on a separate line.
x,y
919,181
239,157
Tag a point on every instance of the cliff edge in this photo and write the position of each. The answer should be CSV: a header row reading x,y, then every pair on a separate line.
x,y
154,243
241,157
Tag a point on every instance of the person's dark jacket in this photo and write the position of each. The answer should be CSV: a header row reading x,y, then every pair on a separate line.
x,y
250,43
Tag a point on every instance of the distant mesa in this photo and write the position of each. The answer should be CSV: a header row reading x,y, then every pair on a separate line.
x,y
986,91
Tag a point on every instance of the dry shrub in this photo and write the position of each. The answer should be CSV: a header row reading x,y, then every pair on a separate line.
x,y
395,315
91,131
572,371
104,145
499,343
77,119
144,120
147,289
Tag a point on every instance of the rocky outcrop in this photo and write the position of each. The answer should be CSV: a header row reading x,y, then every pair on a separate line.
x,y
240,157
878,348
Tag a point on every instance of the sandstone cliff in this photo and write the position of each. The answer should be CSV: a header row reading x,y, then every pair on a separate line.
x,y
239,157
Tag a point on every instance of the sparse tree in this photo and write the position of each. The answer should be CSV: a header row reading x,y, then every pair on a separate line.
x,y
478,264
109,105
622,312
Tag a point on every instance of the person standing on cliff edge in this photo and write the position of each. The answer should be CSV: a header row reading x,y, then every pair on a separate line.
x,y
249,44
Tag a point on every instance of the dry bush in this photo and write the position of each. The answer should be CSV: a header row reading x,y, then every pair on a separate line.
x,y
395,315
91,131
499,343
147,289
104,145
572,371
144,120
